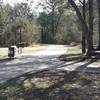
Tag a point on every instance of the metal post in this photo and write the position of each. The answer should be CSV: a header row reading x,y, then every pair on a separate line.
x,y
20,39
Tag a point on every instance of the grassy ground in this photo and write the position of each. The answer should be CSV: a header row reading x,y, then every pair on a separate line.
x,y
74,50
73,53
52,85
3,53
33,48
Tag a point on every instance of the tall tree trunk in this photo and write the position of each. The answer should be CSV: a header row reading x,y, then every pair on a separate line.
x,y
15,38
90,35
83,28
79,15
53,25
98,4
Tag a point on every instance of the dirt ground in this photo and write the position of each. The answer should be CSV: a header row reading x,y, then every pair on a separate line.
x,y
52,85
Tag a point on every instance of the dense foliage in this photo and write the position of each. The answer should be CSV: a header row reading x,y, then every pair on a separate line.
x,y
15,22
60,21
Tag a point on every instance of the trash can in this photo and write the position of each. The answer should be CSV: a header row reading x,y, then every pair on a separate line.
x,y
11,52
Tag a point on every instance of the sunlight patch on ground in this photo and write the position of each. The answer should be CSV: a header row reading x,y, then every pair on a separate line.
x,y
71,66
43,66
3,53
73,50
34,48
94,65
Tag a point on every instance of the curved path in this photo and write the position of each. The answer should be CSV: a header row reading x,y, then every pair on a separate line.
x,y
45,59
27,62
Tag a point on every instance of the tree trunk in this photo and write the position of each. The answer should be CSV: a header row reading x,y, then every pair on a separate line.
x,y
98,4
53,25
79,15
89,30
83,28
90,35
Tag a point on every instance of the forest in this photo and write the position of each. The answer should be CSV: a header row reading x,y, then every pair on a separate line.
x,y
69,22
50,50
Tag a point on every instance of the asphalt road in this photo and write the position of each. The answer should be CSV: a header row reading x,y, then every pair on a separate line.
x,y
34,62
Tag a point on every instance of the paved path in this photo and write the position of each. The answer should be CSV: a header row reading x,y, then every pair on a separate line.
x,y
45,59
32,62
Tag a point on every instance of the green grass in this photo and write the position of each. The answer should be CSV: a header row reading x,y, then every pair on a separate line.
x,y
53,85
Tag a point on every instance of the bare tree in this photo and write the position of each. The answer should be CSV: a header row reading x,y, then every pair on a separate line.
x,y
83,3
89,30
90,35
98,4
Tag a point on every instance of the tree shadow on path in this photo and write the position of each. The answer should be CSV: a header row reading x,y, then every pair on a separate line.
x,y
59,84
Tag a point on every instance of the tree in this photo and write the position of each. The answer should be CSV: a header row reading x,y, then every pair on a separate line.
x,y
83,28
4,22
89,30
83,4
22,10
90,35
11,18
23,16
98,6
53,10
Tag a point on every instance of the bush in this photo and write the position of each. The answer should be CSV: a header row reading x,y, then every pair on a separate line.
x,y
73,44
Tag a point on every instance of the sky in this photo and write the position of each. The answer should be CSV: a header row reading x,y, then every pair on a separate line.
x,y
34,5
12,2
